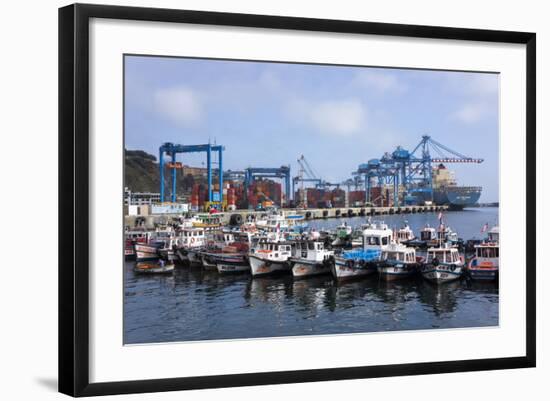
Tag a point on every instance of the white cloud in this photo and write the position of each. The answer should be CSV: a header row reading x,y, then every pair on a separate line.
x,y
180,105
476,85
470,113
379,81
333,117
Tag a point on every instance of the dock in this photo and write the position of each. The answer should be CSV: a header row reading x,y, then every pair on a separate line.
x,y
230,217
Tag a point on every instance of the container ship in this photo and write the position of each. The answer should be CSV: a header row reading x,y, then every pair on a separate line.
x,y
447,192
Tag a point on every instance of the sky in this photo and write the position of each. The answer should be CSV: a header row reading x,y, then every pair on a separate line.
x,y
269,114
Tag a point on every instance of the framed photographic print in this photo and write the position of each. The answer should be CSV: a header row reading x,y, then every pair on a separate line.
x,y
251,199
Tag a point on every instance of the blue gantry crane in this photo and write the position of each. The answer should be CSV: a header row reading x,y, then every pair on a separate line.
x,y
172,150
412,170
283,172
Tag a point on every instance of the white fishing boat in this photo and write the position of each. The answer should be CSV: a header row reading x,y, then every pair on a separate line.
x,y
132,237
404,234
484,265
273,223
160,241
428,235
443,264
310,257
376,237
270,256
398,261
189,239
493,235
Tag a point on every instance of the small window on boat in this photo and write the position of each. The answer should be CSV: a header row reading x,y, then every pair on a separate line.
x,y
385,240
311,246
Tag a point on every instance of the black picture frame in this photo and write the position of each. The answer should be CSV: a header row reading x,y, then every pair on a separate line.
x,y
74,203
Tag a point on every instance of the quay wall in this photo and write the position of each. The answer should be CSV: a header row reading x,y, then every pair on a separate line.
x,y
310,214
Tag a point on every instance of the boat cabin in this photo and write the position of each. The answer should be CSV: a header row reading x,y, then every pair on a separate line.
x,y
208,221
138,236
376,236
311,250
191,237
445,255
487,251
273,250
404,234
399,253
428,234
221,239
493,234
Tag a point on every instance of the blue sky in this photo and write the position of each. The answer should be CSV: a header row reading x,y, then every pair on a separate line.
x,y
268,114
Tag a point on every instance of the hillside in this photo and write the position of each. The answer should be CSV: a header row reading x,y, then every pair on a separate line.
x,y
141,174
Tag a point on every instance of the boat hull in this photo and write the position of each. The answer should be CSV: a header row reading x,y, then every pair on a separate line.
x,y
208,262
347,269
261,267
441,273
153,268
304,268
146,252
396,272
486,271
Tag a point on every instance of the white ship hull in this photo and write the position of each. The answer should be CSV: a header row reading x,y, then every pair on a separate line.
x,y
260,266
441,274
390,273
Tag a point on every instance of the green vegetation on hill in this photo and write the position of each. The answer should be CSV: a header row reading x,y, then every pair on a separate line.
x,y
141,174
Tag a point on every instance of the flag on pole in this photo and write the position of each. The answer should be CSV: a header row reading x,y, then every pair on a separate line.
x,y
485,227
440,216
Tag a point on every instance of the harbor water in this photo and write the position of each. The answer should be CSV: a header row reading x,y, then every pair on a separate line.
x,y
192,304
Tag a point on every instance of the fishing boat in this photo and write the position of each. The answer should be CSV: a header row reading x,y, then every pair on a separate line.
x,y
150,267
343,235
398,261
133,237
493,235
310,257
443,264
216,241
189,239
270,256
484,265
233,258
208,221
160,241
273,223
404,234
376,237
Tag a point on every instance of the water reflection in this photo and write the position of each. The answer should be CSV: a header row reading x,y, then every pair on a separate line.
x,y
192,304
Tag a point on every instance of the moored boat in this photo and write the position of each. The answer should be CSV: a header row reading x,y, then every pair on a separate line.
x,y
310,257
357,263
485,263
270,256
133,237
443,264
404,234
190,238
150,267
398,261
